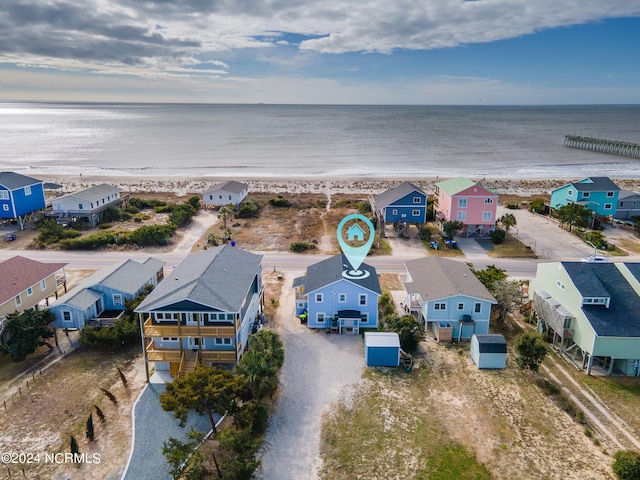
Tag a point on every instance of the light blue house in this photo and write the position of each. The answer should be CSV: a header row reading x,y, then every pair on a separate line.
x,y
20,196
99,299
405,203
203,311
444,293
598,194
335,301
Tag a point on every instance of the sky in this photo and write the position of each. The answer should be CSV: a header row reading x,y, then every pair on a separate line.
x,y
321,51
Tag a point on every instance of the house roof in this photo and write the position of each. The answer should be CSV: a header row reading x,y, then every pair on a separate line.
x,y
491,343
436,277
231,186
13,181
622,317
381,339
455,185
393,194
595,184
127,276
19,273
628,194
93,194
218,278
330,271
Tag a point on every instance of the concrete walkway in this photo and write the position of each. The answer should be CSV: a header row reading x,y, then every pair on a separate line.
x,y
152,426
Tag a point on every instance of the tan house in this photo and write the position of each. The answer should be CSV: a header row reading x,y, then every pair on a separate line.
x,y
25,283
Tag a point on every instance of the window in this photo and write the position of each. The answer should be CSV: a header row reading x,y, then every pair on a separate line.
x,y
394,211
18,301
477,308
488,201
169,339
486,216
417,200
5,207
462,216
79,206
165,317
210,197
223,341
220,197
364,317
320,317
342,297
570,193
117,299
4,195
66,316
607,206
586,194
461,306
439,306
29,291
609,194
27,190
415,213
362,299
462,203
319,298
43,285
560,285
229,197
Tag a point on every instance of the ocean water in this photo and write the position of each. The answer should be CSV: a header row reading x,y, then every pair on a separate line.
x,y
272,141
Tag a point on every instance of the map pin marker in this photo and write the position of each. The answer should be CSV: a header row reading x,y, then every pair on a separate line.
x,y
355,233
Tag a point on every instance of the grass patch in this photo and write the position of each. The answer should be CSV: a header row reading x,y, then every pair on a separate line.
x,y
511,248
453,461
631,245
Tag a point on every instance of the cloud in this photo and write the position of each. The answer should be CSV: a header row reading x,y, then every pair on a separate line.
x,y
156,36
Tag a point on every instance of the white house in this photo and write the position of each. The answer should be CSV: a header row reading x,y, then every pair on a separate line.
x,y
224,194
87,204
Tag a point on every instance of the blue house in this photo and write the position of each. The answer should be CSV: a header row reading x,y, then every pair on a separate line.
x,y
99,299
405,203
598,194
445,294
20,196
335,301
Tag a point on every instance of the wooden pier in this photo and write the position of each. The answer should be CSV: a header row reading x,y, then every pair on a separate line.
x,y
613,147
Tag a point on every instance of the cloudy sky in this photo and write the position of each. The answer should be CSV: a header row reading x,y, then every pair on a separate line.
x,y
322,51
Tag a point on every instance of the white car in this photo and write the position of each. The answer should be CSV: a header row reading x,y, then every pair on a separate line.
x,y
594,259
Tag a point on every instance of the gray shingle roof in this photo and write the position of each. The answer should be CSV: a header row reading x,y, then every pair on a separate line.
x,y
13,181
218,278
389,196
330,271
491,343
231,186
622,318
93,194
597,184
435,277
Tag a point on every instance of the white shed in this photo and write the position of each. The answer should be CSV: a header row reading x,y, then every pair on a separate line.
x,y
381,349
489,351
224,194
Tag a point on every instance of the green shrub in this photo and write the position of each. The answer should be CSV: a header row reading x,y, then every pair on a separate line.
x,y
299,247
537,205
50,232
148,235
498,235
141,204
425,234
248,209
626,464
90,242
104,226
279,202
194,201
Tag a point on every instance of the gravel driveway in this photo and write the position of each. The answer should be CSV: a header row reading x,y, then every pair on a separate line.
x,y
318,370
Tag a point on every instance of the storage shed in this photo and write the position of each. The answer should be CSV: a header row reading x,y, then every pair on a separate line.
x,y
381,349
489,351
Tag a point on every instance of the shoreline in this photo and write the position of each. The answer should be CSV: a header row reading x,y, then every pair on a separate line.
x,y
356,185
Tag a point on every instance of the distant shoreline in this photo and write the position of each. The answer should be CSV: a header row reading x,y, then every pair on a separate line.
x,y
355,185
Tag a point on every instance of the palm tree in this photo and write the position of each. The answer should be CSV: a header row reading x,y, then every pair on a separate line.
x,y
508,220
226,212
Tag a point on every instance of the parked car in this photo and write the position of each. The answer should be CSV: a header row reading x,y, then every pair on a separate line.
x,y
594,259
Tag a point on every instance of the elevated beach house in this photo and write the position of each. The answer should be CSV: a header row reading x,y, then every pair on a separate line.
x,y
628,205
592,313
98,300
446,296
598,194
224,194
88,204
203,311
403,205
338,302
20,197
463,200
25,283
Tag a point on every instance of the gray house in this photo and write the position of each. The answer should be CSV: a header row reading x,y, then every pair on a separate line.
x,y
99,299
87,204
224,194
628,205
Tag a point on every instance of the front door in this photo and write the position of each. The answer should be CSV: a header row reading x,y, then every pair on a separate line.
x,y
194,342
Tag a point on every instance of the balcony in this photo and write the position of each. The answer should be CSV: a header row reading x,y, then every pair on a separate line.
x,y
162,355
175,355
151,330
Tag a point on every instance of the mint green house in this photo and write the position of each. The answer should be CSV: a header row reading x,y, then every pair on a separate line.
x,y
592,313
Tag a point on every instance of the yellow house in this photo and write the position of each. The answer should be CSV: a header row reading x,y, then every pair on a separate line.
x,y
25,283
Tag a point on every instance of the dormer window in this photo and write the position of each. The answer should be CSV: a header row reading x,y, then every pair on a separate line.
x,y
596,301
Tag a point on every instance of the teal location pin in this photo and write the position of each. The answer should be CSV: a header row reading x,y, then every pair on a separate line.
x,y
355,233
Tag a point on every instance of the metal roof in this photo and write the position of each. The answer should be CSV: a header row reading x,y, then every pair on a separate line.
x,y
436,277
330,271
217,278
491,343
381,339
93,194
13,181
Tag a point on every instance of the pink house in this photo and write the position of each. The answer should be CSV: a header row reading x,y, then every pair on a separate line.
x,y
460,199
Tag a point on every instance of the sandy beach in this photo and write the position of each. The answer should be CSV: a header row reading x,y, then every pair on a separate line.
x,y
190,186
